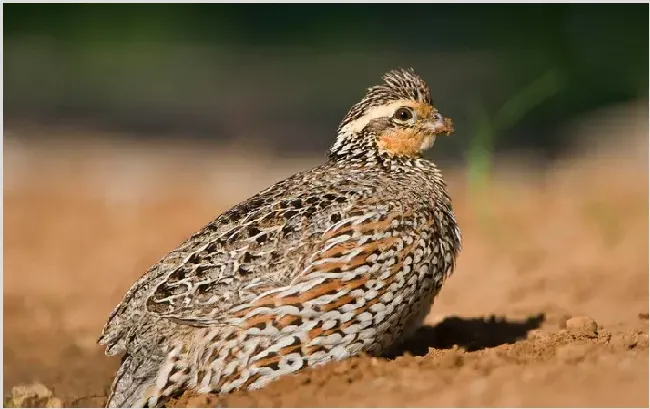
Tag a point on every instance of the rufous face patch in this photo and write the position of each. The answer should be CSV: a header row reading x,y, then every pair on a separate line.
x,y
411,133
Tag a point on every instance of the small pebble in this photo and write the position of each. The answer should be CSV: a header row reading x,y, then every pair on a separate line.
x,y
34,395
586,326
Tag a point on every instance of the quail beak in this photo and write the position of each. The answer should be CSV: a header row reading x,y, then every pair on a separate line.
x,y
441,125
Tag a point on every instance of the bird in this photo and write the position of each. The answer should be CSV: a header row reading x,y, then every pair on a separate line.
x,y
339,260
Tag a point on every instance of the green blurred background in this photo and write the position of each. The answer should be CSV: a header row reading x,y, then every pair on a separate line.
x,y
284,75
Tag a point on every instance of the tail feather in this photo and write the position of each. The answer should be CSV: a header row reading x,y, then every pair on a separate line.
x,y
155,366
134,382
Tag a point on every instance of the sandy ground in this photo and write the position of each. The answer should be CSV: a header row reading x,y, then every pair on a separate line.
x,y
82,223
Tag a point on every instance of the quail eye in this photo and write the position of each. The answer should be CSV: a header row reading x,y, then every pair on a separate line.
x,y
403,114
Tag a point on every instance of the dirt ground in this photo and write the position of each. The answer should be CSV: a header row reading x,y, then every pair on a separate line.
x,y
83,222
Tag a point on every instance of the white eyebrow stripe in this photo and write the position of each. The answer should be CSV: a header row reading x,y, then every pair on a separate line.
x,y
382,111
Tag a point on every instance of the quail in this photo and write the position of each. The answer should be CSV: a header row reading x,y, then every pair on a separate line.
x,y
332,262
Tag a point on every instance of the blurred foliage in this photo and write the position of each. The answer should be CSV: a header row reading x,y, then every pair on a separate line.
x,y
118,63
481,147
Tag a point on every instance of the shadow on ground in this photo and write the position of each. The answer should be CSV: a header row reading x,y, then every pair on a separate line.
x,y
471,334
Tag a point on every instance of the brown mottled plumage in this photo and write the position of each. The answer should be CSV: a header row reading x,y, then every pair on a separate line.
x,y
340,259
